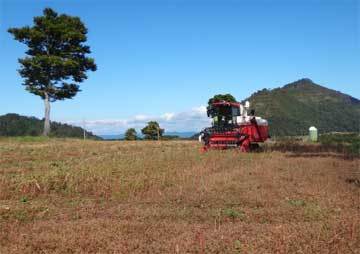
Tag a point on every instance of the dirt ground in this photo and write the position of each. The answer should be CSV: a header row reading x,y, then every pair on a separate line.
x,y
68,196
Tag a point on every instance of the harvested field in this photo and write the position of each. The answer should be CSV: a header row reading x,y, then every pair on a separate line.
x,y
70,196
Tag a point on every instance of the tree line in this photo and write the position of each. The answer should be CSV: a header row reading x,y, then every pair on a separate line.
x,y
151,131
17,125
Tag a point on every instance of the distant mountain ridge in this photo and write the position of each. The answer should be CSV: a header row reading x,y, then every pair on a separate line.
x,y
293,108
17,125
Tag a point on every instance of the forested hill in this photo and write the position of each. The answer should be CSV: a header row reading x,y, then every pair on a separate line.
x,y
292,109
17,125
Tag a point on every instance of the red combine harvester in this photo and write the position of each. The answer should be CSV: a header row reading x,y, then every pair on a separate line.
x,y
233,127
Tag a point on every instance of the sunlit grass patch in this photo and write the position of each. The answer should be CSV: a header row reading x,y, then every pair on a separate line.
x,y
311,210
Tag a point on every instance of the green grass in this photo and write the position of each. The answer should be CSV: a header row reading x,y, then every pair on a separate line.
x,y
351,141
296,202
234,214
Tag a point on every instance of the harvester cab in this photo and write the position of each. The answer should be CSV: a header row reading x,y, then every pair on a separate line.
x,y
233,125
223,114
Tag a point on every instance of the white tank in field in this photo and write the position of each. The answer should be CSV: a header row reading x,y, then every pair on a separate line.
x,y
313,134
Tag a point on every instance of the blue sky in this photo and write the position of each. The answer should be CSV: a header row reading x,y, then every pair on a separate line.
x,y
162,59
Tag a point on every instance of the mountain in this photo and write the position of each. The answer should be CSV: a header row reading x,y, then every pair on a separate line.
x,y
293,108
17,125
112,136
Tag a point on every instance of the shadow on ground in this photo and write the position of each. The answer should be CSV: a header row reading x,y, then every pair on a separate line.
x,y
296,150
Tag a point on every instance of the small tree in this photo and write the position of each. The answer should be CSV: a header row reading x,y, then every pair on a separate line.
x,y
56,59
130,134
152,131
222,97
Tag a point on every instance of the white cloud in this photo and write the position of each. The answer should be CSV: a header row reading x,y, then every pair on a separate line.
x,y
200,109
140,117
168,116
194,119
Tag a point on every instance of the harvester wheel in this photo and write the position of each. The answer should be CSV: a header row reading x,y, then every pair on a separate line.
x,y
254,147
245,146
204,149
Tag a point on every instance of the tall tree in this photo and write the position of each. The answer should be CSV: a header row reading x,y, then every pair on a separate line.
x,y
56,60
222,97
152,131
130,134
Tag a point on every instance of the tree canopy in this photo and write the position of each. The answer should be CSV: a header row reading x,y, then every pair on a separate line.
x,y
222,97
152,131
130,134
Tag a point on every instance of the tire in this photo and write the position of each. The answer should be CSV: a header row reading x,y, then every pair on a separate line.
x,y
255,147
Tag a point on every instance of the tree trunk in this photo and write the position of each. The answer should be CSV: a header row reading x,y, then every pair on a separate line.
x,y
47,115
